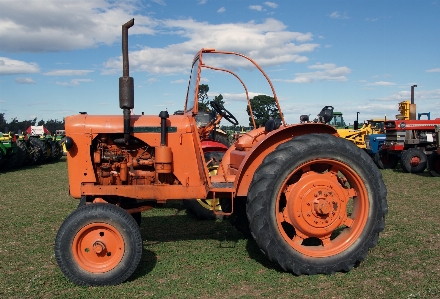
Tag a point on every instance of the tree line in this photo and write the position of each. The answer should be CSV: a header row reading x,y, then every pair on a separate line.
x,y
19,127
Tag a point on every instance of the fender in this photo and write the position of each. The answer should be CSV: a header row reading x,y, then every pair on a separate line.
x,y
253,156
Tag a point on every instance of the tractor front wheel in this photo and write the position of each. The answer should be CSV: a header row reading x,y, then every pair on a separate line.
x,y
414,160
316,205
434,164
98,244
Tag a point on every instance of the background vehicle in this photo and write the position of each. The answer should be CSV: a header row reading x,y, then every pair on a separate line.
x,y
414,140
313,202
44,144
9,157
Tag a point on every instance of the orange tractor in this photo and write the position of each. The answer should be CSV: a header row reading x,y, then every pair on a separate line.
x,y
313,202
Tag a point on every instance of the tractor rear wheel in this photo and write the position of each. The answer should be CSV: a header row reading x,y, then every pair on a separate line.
x,y
317,204
21,153
57,151
414,160
38,149
385,160
98,244
10,161
434,164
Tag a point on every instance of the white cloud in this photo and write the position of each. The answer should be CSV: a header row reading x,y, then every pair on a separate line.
x,y
326,72
68,73
236,97
256,7
269,43
28,25
152,80
382,83
74,82
419,96
436,70
15,67
201,2
27,80
221,9
179,81
271,4
337,15
160,2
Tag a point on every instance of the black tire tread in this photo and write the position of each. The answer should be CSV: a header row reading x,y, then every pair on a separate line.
x,y
265,180
406,158
84,215
433,168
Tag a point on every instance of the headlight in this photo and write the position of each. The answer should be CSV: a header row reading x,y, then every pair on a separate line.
x,y
68,142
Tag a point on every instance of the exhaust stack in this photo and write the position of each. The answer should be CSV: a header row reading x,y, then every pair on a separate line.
x,y
412,106
126,85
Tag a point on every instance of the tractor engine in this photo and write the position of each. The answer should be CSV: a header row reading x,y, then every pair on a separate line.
x,y
425,136
116,163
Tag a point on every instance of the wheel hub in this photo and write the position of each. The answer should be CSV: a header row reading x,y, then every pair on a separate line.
x,y
316,204
98,247
415,161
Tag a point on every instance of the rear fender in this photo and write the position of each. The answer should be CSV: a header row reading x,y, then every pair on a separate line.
x,y
267,145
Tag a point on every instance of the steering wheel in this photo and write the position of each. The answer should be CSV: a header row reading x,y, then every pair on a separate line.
x,y
220,109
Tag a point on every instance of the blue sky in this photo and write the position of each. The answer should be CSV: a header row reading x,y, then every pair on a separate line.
x,y
59,57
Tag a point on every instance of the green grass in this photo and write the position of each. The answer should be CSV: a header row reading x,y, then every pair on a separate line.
x,y
186,258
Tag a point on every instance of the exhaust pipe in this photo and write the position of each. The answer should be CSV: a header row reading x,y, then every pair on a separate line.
x,y
126,85
412,106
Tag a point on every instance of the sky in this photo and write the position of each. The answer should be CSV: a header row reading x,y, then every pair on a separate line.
x,y
60,57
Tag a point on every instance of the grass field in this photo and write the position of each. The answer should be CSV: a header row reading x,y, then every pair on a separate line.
x,y
186,258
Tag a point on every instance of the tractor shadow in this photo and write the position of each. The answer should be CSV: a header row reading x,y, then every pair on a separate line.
x,y
181,226
425,173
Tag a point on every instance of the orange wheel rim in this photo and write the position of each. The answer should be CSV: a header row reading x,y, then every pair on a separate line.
x,y
322,208
98,247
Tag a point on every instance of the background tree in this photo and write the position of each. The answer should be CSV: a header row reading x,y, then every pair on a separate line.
x,y
263,107
204,105
53,124
16,126
203,97
219,99
2,122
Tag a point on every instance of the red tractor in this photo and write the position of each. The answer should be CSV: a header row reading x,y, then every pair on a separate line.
x,y
313,202
416,142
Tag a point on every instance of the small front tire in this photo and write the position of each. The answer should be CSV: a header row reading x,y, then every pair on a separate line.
x,y
98,244
414,160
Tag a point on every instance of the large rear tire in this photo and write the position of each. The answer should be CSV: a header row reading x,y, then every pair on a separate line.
x,y
21,153
57,150
414,160
10,161
434,164
38,149
98,244
317,204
